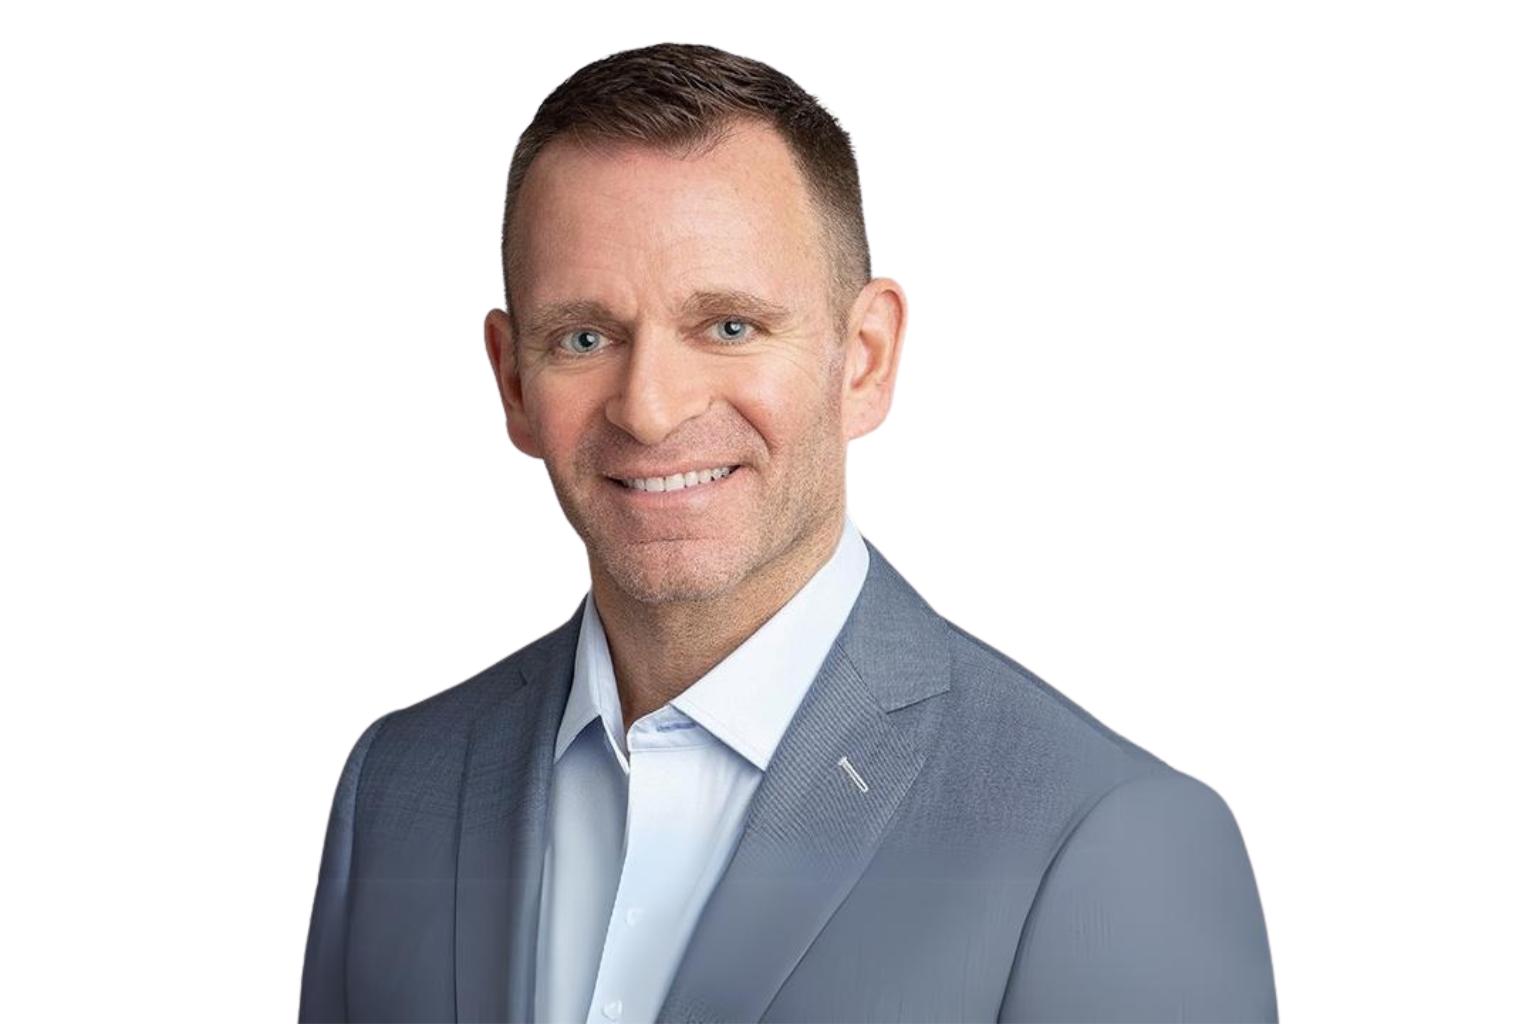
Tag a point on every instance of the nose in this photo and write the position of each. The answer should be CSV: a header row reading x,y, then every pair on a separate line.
x,y
660,387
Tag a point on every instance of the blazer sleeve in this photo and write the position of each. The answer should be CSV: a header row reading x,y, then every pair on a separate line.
x,y
323,994
1148,912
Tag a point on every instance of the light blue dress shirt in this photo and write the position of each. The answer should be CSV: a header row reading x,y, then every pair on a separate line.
x,y
642,826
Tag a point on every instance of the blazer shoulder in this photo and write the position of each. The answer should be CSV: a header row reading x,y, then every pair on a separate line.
x,y
1015,697
469,697
441,721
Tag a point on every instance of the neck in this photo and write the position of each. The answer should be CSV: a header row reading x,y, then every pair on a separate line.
x,y
659,650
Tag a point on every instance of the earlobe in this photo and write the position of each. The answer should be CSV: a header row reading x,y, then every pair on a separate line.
x,y
501,348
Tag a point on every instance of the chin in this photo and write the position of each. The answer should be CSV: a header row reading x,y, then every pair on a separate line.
x,y
663,573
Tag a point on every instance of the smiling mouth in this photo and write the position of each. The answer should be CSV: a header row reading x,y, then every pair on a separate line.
x,y
677,481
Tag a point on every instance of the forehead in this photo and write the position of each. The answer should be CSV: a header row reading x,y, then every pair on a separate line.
x,y
616,217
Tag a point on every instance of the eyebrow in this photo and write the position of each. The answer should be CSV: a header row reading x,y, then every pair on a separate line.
x,y
713,302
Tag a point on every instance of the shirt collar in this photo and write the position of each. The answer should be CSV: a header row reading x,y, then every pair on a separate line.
x,y
747,700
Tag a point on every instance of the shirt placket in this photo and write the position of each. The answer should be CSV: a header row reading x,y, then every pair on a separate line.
x,y
660,870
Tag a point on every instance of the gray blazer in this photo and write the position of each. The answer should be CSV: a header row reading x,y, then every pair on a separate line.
x,y
996,854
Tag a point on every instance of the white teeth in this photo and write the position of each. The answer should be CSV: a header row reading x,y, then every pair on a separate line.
x,y
678,481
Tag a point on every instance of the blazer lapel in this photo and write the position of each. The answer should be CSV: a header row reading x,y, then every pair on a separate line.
x,y
823,805
502,821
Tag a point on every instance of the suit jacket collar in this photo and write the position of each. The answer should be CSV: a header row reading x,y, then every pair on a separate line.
x,y
816,820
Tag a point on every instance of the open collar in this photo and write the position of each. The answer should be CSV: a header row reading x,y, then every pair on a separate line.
x,y
748,698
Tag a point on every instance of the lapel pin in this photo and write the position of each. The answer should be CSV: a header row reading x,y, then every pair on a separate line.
x,y
854,775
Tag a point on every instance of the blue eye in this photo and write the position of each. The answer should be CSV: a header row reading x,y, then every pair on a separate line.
x,y
584,336
733,329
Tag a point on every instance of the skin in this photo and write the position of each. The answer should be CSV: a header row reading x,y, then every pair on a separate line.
x,y
640,380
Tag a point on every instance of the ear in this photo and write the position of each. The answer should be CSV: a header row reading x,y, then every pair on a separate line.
x,y
501,347
872,349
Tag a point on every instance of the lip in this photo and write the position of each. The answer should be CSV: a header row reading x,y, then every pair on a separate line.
x,y
683,497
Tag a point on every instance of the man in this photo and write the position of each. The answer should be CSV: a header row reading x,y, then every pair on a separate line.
x,y
754,776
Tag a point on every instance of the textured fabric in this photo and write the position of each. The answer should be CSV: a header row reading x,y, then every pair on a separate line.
x,y
940,836
641,824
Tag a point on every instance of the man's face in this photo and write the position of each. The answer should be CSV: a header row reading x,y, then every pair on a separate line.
x,y
673,314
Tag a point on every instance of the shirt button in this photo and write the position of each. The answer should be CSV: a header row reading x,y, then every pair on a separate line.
x,y
613,1009
633,914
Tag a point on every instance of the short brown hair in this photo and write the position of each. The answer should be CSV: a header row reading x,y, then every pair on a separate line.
x,y
687,96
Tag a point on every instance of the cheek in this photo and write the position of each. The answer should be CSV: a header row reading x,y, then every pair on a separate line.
x,y
768,404
785,410
559,418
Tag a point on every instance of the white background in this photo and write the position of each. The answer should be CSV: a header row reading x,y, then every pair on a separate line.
x,y
1215,410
